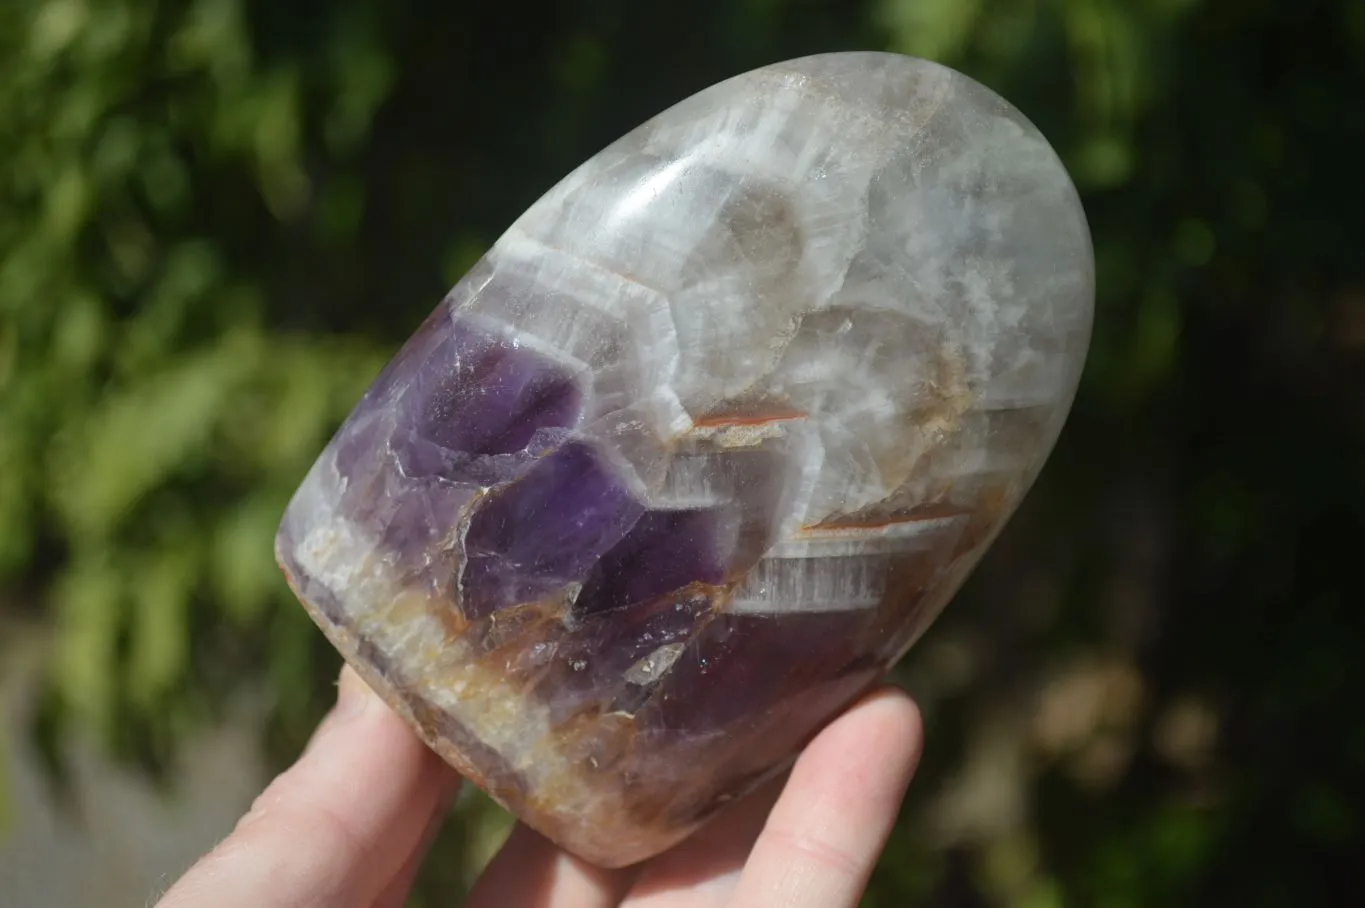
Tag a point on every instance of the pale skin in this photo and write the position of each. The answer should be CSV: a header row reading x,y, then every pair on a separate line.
x,y
348,825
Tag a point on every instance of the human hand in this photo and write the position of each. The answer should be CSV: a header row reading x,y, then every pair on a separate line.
x,y
348,825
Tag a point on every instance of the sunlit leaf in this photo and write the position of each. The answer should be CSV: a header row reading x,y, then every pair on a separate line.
x,y
161,590
141,435
242,562
89,600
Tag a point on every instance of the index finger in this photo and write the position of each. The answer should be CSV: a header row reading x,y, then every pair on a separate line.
x,y
335,828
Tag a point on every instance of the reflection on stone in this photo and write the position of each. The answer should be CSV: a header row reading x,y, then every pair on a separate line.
x,y
704,442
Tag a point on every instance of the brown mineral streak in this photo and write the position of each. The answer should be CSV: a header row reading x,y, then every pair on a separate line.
x,y
602,742
594,747
434,726
466,754
873,517
715,420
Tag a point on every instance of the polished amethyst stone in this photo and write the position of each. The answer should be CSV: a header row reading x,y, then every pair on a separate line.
x,y
704,442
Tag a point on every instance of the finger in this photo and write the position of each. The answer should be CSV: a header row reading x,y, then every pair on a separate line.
x,y
702,871
335,828
533,872
823,837
395,894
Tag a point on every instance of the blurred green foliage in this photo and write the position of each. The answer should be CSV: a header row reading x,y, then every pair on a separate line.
x,y
221,216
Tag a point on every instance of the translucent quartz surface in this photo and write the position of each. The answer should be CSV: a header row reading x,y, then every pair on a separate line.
x,y
704,442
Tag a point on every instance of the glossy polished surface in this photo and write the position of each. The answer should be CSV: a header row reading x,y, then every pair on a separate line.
x,y
704,442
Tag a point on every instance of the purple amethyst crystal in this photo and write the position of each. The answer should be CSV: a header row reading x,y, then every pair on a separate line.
x,y
704,442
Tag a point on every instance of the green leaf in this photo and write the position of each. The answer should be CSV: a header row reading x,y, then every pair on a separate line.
x,y
161,589
932,29
242,563
88,599
139,437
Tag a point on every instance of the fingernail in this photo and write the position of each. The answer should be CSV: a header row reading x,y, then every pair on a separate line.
x,y
353,695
